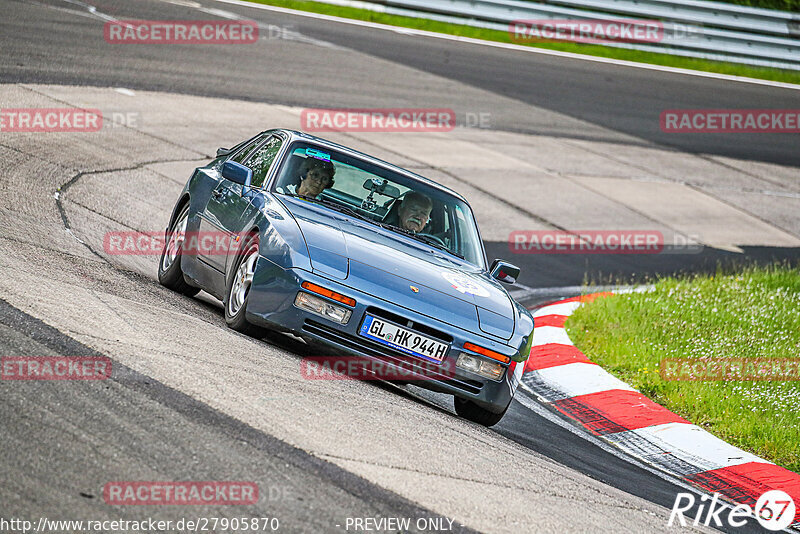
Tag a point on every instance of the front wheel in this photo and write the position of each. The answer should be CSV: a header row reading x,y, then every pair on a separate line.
x,y
239,287
170,274
471,411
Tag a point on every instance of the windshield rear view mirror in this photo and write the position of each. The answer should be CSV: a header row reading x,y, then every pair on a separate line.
x,y
382,187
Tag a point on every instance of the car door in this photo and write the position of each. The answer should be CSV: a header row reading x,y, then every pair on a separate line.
x,y
262,163
221,220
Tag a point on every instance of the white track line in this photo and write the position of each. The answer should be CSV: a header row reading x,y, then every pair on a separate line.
x,y
563,308
574,379
677,448
527,399
685,441
508,46
694,445
550,334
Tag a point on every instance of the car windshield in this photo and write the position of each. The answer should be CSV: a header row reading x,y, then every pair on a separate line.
x,y
382,197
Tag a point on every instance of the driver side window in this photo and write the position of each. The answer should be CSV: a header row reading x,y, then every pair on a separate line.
x,y
262,159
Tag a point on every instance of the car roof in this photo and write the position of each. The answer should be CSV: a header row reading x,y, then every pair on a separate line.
x,y
296,135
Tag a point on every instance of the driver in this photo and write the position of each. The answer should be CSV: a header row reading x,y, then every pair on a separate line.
x,y
415,211
315,176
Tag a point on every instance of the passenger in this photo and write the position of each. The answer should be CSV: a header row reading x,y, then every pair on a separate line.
x,y
316,175
415,211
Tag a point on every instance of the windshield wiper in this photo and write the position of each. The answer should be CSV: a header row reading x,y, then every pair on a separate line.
x,y
432,241
335,205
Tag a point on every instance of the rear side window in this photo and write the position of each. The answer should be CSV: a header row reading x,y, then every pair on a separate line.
x,y
262,159
245,152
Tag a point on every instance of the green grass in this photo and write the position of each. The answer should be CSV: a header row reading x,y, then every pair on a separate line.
x,y
784,5
753,314
779,75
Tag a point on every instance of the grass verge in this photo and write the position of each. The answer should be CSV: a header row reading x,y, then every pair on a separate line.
x,y
752,314
719,67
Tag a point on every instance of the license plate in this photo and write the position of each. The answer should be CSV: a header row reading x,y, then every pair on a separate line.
x,y
403,339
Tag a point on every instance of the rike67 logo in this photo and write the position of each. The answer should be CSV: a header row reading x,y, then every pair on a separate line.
x,y
774,510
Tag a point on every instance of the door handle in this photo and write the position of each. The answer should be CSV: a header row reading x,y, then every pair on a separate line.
x,y
217,193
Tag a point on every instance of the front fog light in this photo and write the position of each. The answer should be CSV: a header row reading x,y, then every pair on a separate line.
x,y
479,366
322,308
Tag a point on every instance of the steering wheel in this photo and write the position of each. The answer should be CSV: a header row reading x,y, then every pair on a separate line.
x,y
435,238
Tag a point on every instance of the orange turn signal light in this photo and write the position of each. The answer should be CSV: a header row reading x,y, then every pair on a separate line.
x,y
319,290
488,353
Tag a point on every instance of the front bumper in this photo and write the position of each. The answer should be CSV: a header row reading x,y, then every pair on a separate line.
x,y
271,304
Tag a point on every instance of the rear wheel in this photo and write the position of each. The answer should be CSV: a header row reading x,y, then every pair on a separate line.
x,y
170,274
239,290
469,410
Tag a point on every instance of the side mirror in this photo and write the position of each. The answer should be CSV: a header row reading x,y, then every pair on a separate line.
x,y
503,271
237,173
223,152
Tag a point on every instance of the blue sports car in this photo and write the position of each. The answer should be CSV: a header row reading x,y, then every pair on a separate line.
x,y
301,235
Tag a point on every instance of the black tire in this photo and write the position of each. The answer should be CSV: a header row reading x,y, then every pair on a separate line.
x,y
471,411
170,274
236,307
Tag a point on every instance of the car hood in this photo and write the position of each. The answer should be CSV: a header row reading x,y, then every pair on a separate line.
x,y
386,265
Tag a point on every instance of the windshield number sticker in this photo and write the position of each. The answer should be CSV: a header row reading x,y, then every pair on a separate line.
x,y
317,154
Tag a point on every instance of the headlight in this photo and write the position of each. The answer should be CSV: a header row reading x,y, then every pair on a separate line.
x,y
322,307
479,366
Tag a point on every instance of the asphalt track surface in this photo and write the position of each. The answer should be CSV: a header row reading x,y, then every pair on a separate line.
x,y
58,476
49,47
43,45
56,41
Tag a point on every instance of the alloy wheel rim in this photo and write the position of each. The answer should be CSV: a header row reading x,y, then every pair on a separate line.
x,y
242,281
176,239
